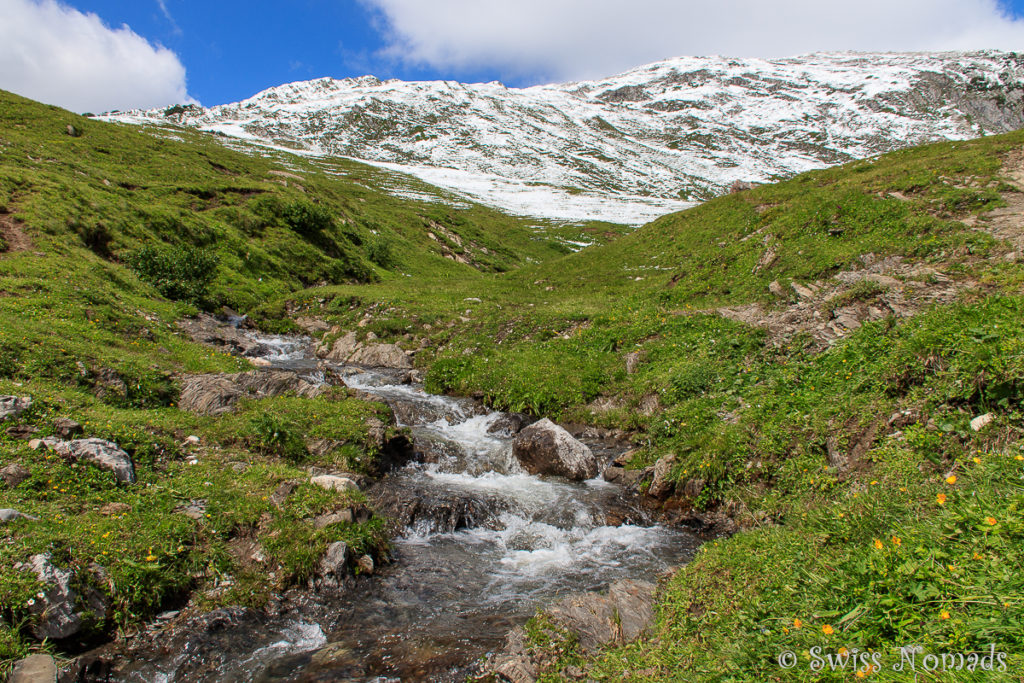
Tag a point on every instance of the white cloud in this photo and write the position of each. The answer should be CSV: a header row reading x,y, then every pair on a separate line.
x,y
576,39
58,55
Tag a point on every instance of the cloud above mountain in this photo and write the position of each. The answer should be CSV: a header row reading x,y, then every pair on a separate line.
x,y
59,55
577,39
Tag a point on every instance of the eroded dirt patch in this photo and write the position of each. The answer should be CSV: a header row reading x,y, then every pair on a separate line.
x,y
13,234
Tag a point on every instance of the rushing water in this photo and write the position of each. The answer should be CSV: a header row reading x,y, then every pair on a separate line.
x,y
455,589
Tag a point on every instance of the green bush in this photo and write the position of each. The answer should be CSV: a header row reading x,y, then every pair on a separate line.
x,y
309,220
179,273
273,435
379,251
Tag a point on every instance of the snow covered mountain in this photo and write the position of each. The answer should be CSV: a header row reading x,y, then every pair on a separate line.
x,y
640,144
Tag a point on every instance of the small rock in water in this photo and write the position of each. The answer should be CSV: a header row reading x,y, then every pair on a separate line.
x,y
661,486
335,559
334,483
365,565
14,474
982,421
546,448
34,669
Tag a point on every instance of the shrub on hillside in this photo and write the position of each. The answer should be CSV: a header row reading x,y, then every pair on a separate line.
x,y
307,219
179,273
379,251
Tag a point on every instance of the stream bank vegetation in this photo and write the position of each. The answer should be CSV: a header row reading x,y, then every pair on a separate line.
x,y
811,357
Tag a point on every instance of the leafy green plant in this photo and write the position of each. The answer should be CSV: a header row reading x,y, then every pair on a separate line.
x,y
274,435
179,273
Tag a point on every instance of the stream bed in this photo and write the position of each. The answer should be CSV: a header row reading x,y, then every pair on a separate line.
x,y
485,545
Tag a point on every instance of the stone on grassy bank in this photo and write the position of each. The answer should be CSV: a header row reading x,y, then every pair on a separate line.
x,y
104,454
546,448
14,474
13,406
54,607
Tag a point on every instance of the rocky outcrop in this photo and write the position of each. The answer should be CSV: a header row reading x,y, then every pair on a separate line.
x,y
661,484
348,349
615,618
13,406
546,448
209,330
382,356
216,394
104,454
54,609
596,620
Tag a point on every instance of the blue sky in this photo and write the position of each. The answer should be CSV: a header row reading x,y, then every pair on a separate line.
x,y
233,49
97,55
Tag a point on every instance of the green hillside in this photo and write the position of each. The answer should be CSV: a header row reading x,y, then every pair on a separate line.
x,y
832,450
805,359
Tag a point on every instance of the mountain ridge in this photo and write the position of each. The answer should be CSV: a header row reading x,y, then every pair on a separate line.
x,y
639,144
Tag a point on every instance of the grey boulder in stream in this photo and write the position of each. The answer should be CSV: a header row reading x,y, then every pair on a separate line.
x,y
546,448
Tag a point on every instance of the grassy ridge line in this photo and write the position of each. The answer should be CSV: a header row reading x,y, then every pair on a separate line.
x,y
824,455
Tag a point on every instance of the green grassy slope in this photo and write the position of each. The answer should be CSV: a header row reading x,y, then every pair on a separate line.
x,y
97,223
833,455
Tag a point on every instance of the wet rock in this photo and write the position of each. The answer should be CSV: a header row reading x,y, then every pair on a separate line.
x,y
661,485
14,474
365,565
623,477
206,329
982,421
104,454
618,617
13,406
633,360
10,514
412,505
508,425
217,394
546,448
65,428
54,613
34,669
382,355
335,560
343,348
333,482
